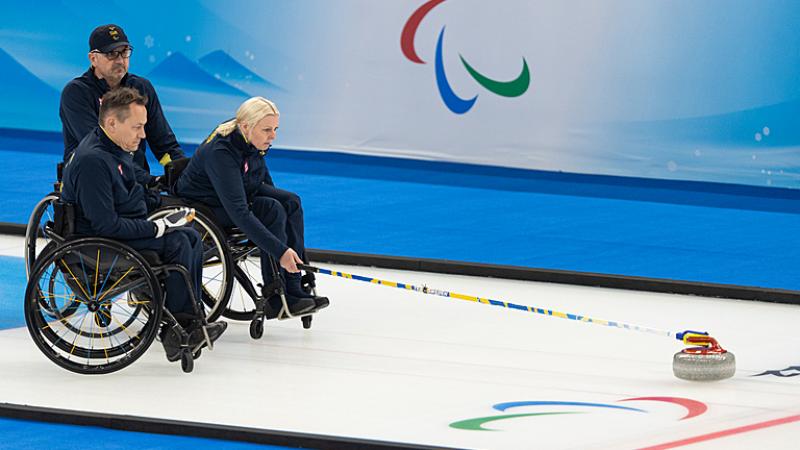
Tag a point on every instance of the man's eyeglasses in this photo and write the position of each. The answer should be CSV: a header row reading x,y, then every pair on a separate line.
x,y
112,55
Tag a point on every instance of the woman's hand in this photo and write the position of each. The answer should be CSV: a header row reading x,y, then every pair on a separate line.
x,y
290,260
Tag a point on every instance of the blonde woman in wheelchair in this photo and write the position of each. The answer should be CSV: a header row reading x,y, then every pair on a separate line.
x,y
228,174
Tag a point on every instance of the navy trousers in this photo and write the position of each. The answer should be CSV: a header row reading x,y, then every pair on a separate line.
x,y
272,214
182,246
295,227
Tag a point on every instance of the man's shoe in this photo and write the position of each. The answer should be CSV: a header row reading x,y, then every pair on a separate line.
x,y
171,341
197,339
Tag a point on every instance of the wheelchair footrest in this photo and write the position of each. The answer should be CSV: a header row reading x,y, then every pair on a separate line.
x,y
273,308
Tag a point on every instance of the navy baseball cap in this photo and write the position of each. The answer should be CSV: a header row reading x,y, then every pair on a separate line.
x,y
106,38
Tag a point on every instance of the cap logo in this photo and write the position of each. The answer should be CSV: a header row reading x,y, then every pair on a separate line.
x,y
113,33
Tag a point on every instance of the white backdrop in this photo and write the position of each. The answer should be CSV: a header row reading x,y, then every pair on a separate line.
x,y
665,89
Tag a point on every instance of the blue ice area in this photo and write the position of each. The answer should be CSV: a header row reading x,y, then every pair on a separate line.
x,y
576,233
28,177
22,434
12,292
694,231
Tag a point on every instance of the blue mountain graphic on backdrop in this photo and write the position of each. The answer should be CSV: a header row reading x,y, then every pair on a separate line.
x,y
222,66
178,71
733,128
17,82
28,102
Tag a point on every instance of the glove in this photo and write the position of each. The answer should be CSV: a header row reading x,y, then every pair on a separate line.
x,y
155,182
179,218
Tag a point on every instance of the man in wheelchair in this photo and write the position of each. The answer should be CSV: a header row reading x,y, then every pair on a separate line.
x,y
228,174
100,179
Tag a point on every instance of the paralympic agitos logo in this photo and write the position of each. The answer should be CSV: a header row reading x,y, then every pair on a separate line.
x,y
456,104
693,408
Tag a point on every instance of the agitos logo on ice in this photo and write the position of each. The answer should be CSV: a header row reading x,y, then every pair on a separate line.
x,y
693,408
458,105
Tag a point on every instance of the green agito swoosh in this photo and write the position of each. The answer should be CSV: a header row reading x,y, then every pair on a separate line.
x,y
513,88
477,423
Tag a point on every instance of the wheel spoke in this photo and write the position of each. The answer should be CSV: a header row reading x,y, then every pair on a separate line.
x,y
98,331
76,336
96,271
115,284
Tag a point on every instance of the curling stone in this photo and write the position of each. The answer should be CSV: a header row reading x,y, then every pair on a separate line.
x,y
707,362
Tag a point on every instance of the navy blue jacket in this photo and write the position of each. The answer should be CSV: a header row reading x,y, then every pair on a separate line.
x,y
80,105
101,179
227,172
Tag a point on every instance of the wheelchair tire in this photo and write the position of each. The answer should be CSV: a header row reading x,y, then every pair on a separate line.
x,y
257,329
241,306
187,361
94,274
217,263
36,237
65,310
247,288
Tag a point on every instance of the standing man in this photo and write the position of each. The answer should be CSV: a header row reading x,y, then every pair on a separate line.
x,y
109,55
100,178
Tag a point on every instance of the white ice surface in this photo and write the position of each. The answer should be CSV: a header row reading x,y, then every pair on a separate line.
x,y
390,364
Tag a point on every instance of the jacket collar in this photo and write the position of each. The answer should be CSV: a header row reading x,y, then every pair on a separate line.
x,y
110,146
238,140
101,83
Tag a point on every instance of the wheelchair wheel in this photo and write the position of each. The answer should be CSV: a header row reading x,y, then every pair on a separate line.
x,y
247,277
36,233
187,361
83,279
217,263
257,329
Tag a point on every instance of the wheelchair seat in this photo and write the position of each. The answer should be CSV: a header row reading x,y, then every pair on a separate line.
x,y
173,171
151,257
234,234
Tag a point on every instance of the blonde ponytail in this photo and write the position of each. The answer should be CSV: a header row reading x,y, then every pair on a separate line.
x,y
249,113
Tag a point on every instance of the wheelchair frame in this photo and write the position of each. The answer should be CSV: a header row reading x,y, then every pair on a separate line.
x,y
61,331
231,250
238,248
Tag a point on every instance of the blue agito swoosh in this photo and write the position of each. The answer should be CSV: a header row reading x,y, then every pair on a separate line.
x,y
453,102
509,405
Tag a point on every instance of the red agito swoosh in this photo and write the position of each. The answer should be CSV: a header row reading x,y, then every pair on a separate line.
x,y
410,30
693,407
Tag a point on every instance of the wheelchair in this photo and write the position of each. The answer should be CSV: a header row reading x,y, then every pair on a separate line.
x,y
94,305
234,263
231,263
217,284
